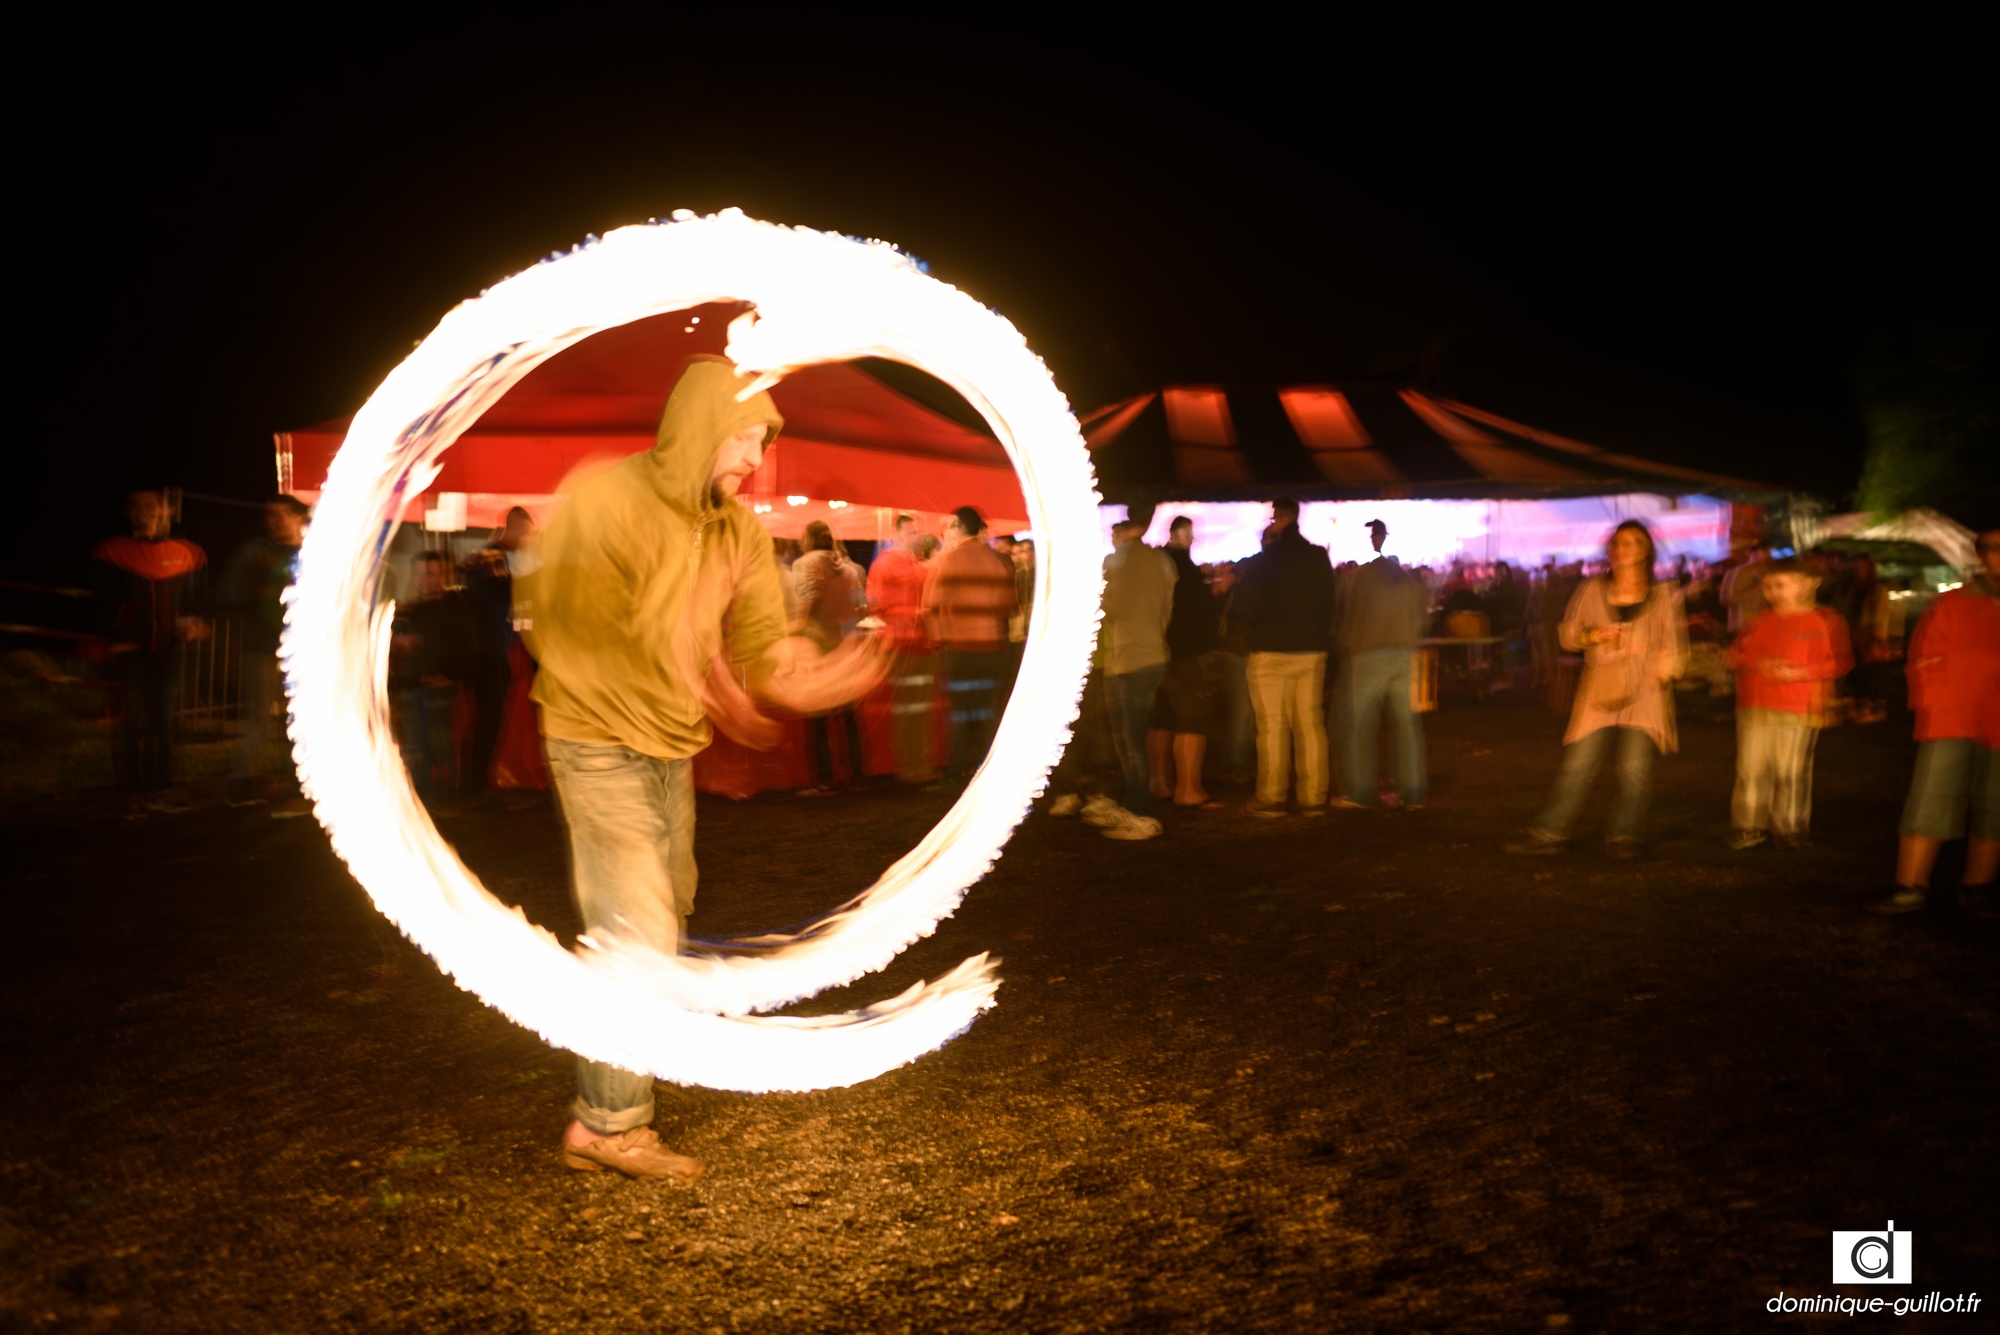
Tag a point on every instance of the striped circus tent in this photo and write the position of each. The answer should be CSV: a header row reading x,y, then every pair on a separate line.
x,y
1322,441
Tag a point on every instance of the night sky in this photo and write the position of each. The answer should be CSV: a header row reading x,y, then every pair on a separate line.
x,y
1677,257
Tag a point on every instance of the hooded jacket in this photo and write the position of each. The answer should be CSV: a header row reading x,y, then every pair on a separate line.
x,y
643,574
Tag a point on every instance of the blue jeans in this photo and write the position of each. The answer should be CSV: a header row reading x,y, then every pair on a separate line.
x,y
152,684
1581,758
1132,695
1236,726
1373,679
631,847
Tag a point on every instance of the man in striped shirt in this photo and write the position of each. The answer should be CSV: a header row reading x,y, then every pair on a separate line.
x,y
967,603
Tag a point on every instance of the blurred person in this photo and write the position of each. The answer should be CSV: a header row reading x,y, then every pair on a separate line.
x,y
1785,661
432,650
151,588
253,591
827,601
1742,589
489,590
1184,712
966,603
1138,604
1864,604
1633,636
896,582
1954,670
1382,622
1235,740
1285,600
659,613
926,548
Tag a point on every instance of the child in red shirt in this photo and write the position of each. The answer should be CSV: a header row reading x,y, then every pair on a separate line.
x,y
1785,661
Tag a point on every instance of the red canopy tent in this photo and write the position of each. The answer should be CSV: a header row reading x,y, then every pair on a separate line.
x,y
848,438
854,452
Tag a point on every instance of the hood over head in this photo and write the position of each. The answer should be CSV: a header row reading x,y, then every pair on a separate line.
x,y
702,412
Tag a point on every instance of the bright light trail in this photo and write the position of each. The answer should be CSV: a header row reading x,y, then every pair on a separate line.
x,y
692,1019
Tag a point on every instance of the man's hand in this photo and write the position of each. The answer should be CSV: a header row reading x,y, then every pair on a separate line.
x,y
803,682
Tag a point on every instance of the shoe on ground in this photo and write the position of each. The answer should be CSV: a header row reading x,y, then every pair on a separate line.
x,y
1267,810
1902,899
1066,805
1623,850
635,1153
1537,842
1741,841
1314,810
1133,828
1346,804
291,809
1102,812
168,806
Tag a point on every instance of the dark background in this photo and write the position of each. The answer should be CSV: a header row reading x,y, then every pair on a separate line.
x,y
1670,242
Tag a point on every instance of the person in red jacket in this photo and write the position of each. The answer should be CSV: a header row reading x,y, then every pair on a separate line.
x,y
1954,670
896,581
1786,660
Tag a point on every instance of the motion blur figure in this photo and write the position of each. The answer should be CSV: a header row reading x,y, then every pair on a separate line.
x,y
1382,620
1138,605
1633,635
641,570
150,584
896,580
432,648
1954,668
489,587
1786,661
968,601
253,591
826,603
1184,714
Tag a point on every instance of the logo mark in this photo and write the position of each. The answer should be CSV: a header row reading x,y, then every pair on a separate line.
x,y
1872,1257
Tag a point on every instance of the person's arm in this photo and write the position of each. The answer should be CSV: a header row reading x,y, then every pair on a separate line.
x,y
1576,633
1836,654
1671,661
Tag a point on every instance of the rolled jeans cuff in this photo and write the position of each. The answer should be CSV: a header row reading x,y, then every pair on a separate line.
x,y
610,1121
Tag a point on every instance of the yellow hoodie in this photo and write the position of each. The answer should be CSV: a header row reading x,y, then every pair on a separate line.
x,y
639,569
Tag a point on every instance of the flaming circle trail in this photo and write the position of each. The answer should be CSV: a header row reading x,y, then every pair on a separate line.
x,y
688,1018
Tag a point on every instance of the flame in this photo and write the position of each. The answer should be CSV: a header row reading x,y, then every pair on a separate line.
x,y
689,1018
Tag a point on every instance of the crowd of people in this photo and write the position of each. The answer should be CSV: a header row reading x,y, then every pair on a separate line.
x,y
657,610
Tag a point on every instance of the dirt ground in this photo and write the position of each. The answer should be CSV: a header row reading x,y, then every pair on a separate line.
x,y
1359,1073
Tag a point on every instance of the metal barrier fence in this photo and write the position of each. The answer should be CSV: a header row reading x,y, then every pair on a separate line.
x,y
211,679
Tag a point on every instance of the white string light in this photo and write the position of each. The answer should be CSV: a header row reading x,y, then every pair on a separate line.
x,y
817,297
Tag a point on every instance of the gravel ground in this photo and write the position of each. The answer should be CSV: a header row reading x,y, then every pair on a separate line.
x,y
1352,1074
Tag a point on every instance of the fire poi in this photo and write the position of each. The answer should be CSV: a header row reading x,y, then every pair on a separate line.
x,y
689,1018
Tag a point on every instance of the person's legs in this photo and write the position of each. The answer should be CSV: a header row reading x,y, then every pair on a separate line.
x,y
850,720
1307,710
1132,696
1750,803
1791,779
1237,730
819,734
912,709
258,674
1935,810
1580,761
1412,769
1636,753
1274,735
489,686
986,704
630,820
160,690
1361,713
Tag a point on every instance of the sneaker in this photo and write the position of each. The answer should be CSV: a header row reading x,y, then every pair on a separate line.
x,y
1902,899
1743,840
1538,842
1066,805
1133,828
635,1153
1102,812
1266,810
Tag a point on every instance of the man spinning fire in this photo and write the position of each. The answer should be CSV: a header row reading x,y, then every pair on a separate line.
x,y
643,568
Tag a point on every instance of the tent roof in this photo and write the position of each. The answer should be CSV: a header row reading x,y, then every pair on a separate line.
x,y
1239,442
1942,534
847,435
